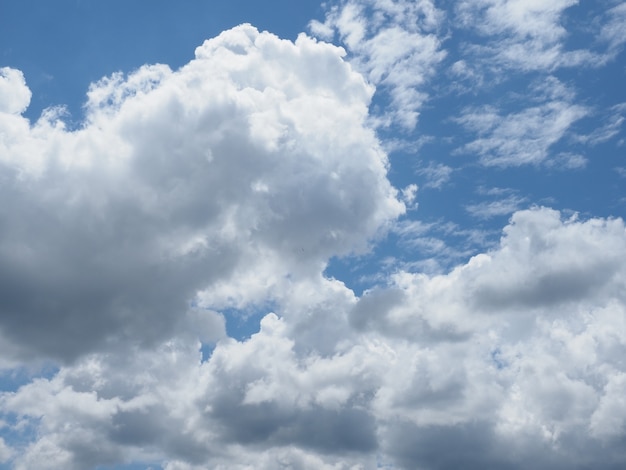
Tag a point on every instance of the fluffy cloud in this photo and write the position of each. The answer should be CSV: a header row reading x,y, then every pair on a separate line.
x,y
516,352
250,162
14,94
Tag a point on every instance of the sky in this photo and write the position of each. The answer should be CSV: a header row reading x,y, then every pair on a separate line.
x,y
357,234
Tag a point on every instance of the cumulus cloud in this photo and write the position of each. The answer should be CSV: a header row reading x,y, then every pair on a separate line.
x,y
14,94
242,164
516,352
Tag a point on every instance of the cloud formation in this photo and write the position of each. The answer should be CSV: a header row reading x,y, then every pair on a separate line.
x,y
242,164
515,353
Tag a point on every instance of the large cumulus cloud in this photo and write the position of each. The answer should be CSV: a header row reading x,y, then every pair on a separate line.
x,y
249,164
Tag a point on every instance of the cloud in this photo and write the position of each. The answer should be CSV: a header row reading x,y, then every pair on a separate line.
x,y
181,182
524,136
14,94
5,451
436,174
527,36
435,247
489,209
613,30
396,45
516,352
613,120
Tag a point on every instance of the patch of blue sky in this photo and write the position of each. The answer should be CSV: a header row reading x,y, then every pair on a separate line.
x,y
12,379
241,323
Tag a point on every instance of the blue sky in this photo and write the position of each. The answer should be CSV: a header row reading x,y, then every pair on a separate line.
x,y
351,234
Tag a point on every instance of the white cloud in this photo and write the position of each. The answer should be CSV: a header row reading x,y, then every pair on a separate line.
x,y
231,170
613,122
513,36
409,194
527,35
523,137
436,174
532,19
518,350
14,94
489,209
5,451
435,247
613,31
393,43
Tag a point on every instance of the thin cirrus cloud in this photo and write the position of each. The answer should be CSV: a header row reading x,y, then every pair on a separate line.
x,y
234,183
520,137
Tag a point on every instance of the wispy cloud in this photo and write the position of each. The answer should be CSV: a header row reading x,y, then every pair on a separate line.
x,y
395,44
488,209
530,36
436,174
523,136
612,122
614,29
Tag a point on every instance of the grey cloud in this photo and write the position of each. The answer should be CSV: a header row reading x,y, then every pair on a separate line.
x,y
477,446
267,424
547,289
391,311
546,275
470,446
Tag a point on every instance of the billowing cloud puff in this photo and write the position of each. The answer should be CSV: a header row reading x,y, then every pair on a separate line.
x,y
14,94
249,165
